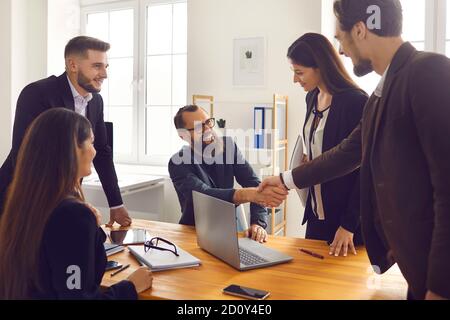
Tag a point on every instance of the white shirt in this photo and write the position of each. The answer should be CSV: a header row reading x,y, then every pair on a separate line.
x,y
287,176
314,150
379,89
81,102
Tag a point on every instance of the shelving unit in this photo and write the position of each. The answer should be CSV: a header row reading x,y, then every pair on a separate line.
x,y
279,157
202,101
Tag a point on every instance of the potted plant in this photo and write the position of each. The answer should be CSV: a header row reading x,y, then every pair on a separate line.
x,y
221,123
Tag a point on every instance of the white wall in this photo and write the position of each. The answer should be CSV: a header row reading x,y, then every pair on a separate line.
x,y
36,17
5,77
23,56
328,19
63,25
212,26
29,43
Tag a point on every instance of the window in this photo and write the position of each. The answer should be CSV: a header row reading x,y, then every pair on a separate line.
x,y
147,78
414,22
166,77
418,28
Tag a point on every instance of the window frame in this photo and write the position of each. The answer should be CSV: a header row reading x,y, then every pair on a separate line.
x,y
138,155
146,159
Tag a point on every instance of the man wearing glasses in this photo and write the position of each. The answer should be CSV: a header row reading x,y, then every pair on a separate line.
x,y
210,164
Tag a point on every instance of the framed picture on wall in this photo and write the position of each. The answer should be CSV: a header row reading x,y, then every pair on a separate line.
x,y
249,62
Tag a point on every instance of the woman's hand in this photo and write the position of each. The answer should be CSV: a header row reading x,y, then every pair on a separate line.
x,y
343,241
96,213
142,279
305,159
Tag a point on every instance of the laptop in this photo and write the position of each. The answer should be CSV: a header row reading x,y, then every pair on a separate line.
x,y
215,222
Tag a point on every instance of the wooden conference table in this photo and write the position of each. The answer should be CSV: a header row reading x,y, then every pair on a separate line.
x,y
305,278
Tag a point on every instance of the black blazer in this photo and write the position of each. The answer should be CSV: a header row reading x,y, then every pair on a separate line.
x,y
402,147
188,177
340,196
72,238
55,92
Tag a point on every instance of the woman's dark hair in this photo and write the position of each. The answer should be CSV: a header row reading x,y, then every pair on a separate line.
x,y
313,50
350,12
45,174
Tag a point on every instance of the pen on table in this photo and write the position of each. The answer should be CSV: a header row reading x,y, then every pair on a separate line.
x,y
315,255
120,270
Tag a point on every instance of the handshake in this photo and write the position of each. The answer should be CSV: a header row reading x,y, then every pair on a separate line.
x,y
270,193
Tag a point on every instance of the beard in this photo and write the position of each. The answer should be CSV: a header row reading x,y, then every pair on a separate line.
x,y
208,138
364,67
85,83
361,66
210,150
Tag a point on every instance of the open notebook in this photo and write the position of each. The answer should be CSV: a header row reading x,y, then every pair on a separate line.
x,y
158,260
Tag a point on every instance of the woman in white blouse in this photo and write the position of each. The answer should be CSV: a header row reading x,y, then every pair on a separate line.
x,y
334,108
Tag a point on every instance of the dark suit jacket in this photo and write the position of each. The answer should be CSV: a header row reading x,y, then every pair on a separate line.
x,y
55,92
403,148
72,238
188,177
340,196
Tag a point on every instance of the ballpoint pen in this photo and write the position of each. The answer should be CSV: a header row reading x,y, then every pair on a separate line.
x,y
120,270
315,255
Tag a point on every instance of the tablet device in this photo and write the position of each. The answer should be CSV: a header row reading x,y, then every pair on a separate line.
x,y
129,237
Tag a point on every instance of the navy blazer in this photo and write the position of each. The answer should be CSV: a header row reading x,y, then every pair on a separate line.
x,y
55,92
193,177
72,238
341,197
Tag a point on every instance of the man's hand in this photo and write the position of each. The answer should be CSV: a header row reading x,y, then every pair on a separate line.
x,y
269,197
343,240
433,296
119,215
271,182
257,233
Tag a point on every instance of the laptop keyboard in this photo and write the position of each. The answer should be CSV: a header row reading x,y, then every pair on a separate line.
x,y
249,258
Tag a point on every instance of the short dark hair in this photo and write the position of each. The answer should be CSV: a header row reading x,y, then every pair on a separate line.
x,y
80,46
350,12
178,119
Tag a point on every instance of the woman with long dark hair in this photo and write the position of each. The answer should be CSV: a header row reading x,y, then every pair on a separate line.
x,y
51,245
334,108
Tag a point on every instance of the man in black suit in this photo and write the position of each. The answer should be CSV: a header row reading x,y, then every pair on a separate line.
x,y
209,165
402,147
76,89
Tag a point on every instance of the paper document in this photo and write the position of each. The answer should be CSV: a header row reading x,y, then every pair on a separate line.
x,y
296,161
